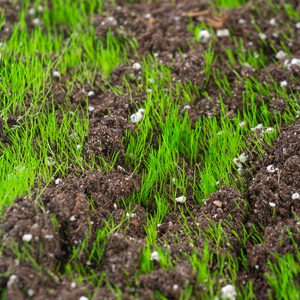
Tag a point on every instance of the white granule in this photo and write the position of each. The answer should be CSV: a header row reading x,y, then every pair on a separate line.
x,y
280,54
243,158
73,285
31,11
272,204
73,218
136,66
181,199
30,292
186,107
154,256
237,162
259,126
11,280
228,292
91,108
242,124
27,237
78,147
175,287
262,36
270,169
295,61
295,196
298,25
36,21
222,32
83,298
283,83
148,16
57,181
138,116
91,93
120,169
204,36
272,22
56,74
241,21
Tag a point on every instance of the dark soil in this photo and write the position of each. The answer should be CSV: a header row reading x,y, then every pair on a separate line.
x,y
81,205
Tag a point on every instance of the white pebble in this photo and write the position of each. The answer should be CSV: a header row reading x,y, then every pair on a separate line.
x,y
78,147
295,196
237,162
240,171
270,169
121,169
148,16
243,158
31,11
11,280
175,287
272,204
115,206
56,74
187,107
222,32
30,292
176,18
295,61
241,21
151,80
138,116
270,129
272,22
204,36
298,25
91,93
73,284
91,108
262,36
83,298
242,124
48,236
136,66
73,218
280,54
259,126
27,237
181,199
228,292
57,181
154,256
283,83
36,21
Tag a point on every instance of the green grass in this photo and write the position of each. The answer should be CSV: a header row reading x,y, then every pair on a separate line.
x,y
45,140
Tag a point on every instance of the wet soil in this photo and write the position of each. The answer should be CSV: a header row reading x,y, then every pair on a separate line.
x,y
81,204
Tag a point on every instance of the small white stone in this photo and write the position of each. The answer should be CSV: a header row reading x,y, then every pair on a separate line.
x,y
270,169
283,83
91,93
154,256
228,292
298,25
275,34
148,16
73,218
272,204
242,124
113,21
73,284
175,287
174,180
262,35
204,36
30,292
295,196
222,32
176,18
259,126
11,280
120,169
27,237
136,66
83,298
40,8
241,21
91,108
237,162
36,21
187,107
295,61
272,22
78,147
280,54
240,171
31,11
48,236
181,199
115,206
56,74
151,80
243,158
57,181
257,267
138,116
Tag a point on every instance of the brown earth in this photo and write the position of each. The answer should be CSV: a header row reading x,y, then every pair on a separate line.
x,y
70,200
